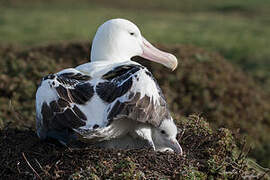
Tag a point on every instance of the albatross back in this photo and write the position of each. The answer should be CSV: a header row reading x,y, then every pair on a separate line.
x,y
72,101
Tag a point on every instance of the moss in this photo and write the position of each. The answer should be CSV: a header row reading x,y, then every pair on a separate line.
x,y
86,174
124,169
190,172
216,149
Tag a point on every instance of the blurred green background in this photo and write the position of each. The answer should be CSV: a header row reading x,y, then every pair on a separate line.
x,y
239,30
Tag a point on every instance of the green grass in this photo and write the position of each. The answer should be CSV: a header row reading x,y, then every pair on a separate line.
x,y
238,29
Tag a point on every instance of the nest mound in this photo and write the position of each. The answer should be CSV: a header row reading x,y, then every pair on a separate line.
x,y
204,83
208,154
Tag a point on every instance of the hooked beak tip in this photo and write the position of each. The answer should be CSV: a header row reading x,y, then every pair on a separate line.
x,y
152,53
177,148
174,62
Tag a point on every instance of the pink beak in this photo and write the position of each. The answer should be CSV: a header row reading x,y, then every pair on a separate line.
x,y
152,53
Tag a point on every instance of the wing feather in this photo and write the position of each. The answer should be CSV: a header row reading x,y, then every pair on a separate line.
x,y
133,93
59,111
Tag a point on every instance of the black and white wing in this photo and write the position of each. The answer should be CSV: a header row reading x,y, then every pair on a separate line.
x,y
71,101
132,93
57,101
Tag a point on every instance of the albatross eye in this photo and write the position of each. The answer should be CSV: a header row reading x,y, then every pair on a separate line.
x,y
131,33
163,132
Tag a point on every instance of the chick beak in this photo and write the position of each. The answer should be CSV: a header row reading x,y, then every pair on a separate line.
x,y
174,145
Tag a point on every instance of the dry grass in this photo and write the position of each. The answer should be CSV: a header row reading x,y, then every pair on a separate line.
x,y
207,154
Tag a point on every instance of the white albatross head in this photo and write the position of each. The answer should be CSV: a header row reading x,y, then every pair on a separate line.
x,y
164,137
119,40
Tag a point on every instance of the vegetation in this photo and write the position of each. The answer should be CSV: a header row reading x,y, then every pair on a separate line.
x,y
238,29
208,155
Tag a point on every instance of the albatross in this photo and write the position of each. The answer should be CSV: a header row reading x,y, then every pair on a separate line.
x,y
111,99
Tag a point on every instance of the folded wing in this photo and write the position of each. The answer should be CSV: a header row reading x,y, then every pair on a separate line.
x,y
133,93
57,101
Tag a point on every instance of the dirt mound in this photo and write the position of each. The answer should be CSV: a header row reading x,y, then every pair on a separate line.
x,y
204,83
207,154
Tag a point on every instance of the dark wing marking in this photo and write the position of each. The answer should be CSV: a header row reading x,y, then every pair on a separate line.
x,y
63,92
76,76
74,88
109,91
140,109
146,109
58,118
117,82
121,70
71,78
82,93
71,88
